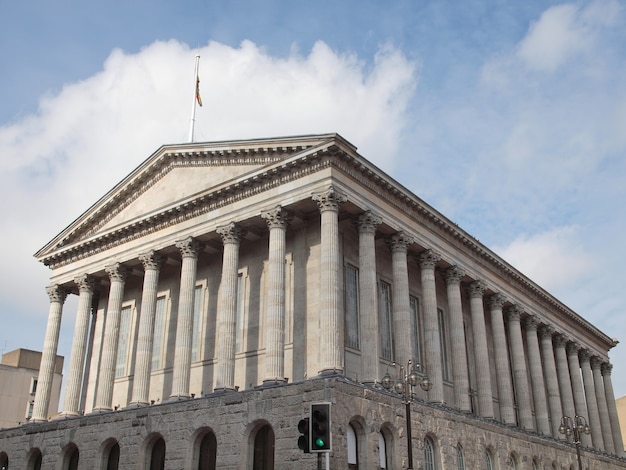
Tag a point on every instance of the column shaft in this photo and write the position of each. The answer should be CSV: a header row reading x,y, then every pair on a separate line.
x,y
45,377
605,422
79,346
401,303
504,378
552,384
565,384
613,416
331,322
104,394
592,402
277,220
141,384
460,374
368,298
432,340
520,374
481,351
536,376
189,249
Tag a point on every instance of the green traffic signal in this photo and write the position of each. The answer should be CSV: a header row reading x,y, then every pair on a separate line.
x,y
319,443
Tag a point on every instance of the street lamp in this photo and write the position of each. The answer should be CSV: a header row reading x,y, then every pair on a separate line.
x,y
577,426
403,385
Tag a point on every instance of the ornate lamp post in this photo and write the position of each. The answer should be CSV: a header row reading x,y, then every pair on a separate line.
x,y
577,426
403,385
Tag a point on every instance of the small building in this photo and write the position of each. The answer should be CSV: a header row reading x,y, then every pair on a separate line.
x,y
19,370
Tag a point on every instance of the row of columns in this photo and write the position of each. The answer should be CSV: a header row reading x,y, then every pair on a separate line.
x,y
555,385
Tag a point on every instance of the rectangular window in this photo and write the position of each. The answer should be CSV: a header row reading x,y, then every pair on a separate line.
x,y
384,308
33,385
198,302
159,330
416,328
239,327
29,410
123,341
445,353
352,307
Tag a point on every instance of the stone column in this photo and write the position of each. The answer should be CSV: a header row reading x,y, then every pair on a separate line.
x,y
605,422
73,388
104,394
189,249
427,261
552,384
536,376
481,351
277,220
368,297
565,383
460,375
227,308
330,314
520,373
45,377
401,303
592,403
141,384
610,401
501,357
572,349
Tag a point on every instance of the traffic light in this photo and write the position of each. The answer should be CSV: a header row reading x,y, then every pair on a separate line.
x,y
320,428
303,440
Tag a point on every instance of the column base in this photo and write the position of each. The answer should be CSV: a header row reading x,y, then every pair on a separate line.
x,y
274,382
101,409
178,397
66,414
137,404
225,389
330,372
37,420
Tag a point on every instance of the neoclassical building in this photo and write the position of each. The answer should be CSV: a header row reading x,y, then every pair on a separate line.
x,y
224,286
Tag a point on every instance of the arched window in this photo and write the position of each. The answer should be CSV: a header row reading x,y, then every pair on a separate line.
x,y
157,455
264,449
488,460
385,449
535,466
353,451
429,454
70,459
512,462
207,451
111,455
34,460
4,461
460,457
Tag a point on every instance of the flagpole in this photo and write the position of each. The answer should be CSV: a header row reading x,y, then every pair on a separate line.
x,y
196,82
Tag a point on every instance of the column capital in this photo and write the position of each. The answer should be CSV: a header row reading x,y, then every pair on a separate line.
x,y
496,301
584,355
531,323
85,283
277,217
116,272
56,293
330,199
189,247
572,348
453,275
596,362
428,259
514,312
367,222
399,242
560,340
476,289
230,233
607,368
546,331
151,260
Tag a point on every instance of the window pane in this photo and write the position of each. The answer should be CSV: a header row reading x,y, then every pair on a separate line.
x,y
488,461
384,305
382,450
352,447
417,327
198,302
460,458
159,327
123,342
429,455
352,307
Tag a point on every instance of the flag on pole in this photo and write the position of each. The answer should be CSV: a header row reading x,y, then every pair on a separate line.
x,y
198,99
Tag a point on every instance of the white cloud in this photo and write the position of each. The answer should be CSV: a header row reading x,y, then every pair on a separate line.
x,y
87,137
555,259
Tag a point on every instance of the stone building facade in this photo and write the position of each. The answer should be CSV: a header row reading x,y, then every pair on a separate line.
x,y
223,287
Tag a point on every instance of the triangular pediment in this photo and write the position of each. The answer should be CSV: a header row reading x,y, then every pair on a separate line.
x,y
176,175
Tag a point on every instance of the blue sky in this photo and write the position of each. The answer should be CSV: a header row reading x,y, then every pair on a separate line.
x,y
508,117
